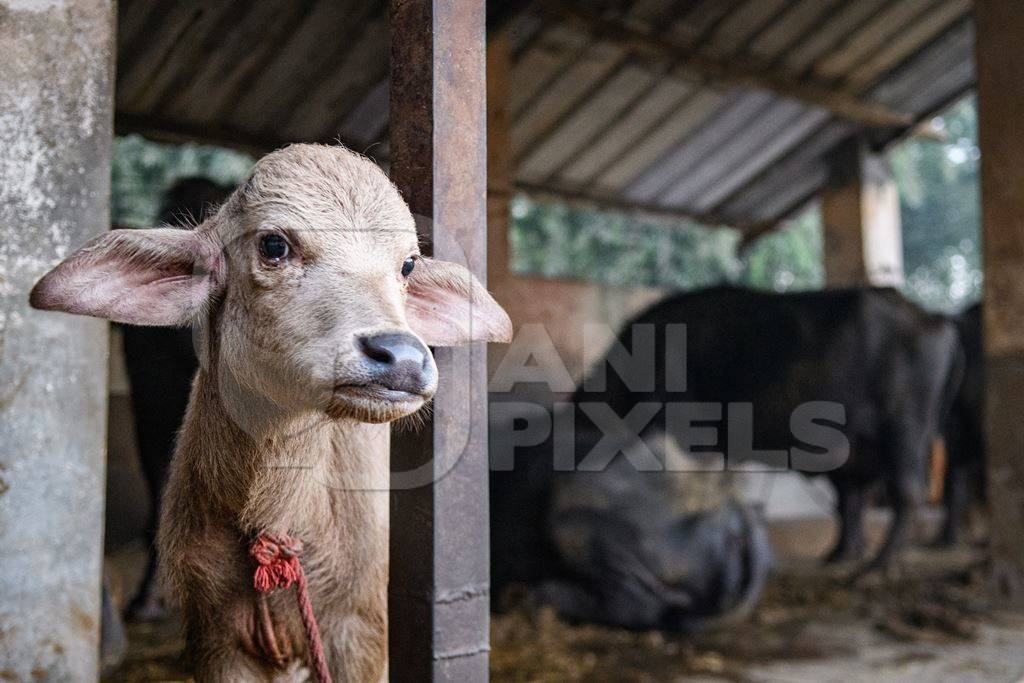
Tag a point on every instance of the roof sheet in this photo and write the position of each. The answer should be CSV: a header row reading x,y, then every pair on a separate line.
x,y
626,118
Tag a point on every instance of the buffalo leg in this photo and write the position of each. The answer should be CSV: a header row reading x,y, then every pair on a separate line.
x,y
955,504
850,545
904,486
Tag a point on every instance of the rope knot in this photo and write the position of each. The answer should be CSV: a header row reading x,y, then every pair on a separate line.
x,y
278,566
277,560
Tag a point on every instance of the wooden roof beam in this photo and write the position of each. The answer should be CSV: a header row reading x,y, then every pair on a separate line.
x,y
735,70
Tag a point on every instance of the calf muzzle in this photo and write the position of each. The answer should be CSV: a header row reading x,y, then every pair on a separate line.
x,y
398,361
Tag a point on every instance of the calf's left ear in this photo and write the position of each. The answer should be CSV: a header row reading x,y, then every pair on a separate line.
x,y
160,276
447,306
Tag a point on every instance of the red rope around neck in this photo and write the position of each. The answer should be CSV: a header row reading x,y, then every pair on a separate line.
x,y
278,566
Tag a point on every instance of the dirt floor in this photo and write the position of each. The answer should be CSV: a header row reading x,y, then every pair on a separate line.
x,y
932,620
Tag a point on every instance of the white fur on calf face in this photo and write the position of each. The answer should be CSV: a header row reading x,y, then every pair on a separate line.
x,y
313,305
291,325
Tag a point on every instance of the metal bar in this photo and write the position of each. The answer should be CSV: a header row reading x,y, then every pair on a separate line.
x,y
439,592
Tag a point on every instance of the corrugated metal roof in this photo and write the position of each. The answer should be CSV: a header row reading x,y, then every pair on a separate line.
x,y
716,109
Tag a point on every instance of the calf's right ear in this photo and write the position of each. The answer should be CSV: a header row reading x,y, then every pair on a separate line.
x,y
447,306
161,276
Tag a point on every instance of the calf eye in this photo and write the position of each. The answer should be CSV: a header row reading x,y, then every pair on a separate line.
x,y
407,266
274,247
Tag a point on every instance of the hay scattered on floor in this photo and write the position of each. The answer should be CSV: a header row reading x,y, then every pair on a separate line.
x,y
807,615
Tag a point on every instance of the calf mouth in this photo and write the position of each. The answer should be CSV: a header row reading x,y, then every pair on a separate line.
x,y
372,402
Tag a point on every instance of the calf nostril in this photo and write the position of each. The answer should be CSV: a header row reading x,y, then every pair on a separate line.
x,y
394,349
376,351
398,361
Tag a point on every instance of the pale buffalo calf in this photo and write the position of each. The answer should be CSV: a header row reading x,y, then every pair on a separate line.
x,y
312,312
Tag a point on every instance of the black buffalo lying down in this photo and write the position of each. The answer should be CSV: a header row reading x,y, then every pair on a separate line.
x,y
849,383
620,547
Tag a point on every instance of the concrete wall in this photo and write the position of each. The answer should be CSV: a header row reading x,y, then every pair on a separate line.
x,y
56,86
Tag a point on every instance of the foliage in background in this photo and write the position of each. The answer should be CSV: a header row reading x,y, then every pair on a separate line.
x,y
789,258
553,239
941,210
142,171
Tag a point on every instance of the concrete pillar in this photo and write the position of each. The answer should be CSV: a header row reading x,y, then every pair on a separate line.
x,y
860,212
56,81
1000,61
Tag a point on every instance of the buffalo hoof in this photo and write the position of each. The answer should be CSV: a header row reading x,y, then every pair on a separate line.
x,y
844,553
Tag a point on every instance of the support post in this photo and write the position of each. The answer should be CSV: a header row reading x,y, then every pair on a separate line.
x,y
1000,110
860,212
439,598
500,164
56,82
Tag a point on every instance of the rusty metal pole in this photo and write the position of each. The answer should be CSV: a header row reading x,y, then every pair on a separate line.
x,y
439,587
56,87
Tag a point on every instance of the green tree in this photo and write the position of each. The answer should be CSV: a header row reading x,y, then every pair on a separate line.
x,y
941,211
141,171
